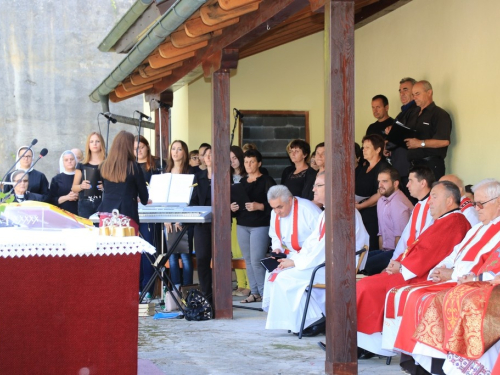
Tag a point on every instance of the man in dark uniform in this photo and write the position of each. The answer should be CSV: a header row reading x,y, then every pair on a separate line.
x,y
380,110
399,154
433,129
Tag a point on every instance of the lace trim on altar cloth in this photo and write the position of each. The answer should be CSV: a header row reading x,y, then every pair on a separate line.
x,y
67,243
467,366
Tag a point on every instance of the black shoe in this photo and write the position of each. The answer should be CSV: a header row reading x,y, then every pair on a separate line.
x,y
322,345
366,355
314,330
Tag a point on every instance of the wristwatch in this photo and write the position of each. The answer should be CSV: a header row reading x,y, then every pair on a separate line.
x,y
423,143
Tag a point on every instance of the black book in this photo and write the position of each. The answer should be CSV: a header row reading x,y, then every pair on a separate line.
x,y
399,132
239,195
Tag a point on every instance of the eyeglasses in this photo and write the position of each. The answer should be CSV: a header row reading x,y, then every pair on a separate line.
x,y
318,185
28,156
480,205
24,181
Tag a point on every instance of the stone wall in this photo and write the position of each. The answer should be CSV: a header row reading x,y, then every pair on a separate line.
x,y
50,63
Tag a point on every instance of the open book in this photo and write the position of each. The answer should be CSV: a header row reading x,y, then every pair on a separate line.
x,y
171,188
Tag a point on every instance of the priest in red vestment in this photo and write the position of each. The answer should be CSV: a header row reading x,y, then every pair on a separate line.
x,y
413,266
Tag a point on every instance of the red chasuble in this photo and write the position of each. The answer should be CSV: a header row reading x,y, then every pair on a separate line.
x,y
433,245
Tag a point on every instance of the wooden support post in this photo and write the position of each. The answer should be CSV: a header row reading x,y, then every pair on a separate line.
x,y
341,353
221,218
167,100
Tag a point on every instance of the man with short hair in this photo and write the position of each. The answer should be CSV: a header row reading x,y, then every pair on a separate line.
x,y
419,184
466,204
286,289
399,155
433,245
433,130
393,211
380,110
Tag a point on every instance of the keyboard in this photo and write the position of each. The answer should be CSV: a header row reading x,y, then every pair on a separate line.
x,y
169,214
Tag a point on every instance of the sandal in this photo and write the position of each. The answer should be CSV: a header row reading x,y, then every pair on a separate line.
x,y
252,298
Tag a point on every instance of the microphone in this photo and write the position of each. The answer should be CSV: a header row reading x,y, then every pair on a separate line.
x,y
42,154
238,113
33,142
109,117
161,104
143,115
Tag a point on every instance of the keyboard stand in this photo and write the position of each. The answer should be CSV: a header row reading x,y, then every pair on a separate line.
x,y
161,271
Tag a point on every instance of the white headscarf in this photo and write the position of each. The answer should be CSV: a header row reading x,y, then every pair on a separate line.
x,y
18,165
61,162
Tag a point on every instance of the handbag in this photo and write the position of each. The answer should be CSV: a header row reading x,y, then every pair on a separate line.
x,y
183,246
197,306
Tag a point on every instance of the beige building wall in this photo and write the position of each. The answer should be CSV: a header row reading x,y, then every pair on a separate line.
x,y
452,43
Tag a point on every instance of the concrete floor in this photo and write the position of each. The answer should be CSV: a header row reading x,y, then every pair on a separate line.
x,y
239,346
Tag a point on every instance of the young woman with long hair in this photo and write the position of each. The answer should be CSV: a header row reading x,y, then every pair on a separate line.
x,y
178,163
123,180
87,181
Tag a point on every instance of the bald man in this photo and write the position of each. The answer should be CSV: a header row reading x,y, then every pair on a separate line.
x,y
78,153
466,204
433,130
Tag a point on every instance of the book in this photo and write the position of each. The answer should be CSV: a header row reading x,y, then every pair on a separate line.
x,y
399,132
171,188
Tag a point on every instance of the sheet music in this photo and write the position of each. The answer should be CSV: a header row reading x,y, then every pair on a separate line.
x,y
159,187
171,188
181,187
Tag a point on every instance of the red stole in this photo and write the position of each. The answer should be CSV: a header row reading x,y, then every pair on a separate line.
x,y
474,250
413,228
295,233
465,203
489,262
321,229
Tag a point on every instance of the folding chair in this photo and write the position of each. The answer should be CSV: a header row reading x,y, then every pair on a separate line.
x,y
309,289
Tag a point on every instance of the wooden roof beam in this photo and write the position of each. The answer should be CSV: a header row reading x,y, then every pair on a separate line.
x,y
251,26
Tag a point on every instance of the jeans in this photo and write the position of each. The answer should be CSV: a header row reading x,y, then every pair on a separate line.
x,y
254,244
377,261
146,271
86,207
175,270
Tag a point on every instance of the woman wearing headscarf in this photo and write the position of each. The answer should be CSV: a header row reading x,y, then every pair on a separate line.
x,y
60,193
38,183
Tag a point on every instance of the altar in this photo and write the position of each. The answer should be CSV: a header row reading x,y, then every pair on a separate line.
x,y
69,302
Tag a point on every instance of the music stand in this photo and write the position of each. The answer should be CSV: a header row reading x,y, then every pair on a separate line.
x,y
160,271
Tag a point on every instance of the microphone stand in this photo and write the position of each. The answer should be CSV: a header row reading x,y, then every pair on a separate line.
x,y
107,135
138,140
234,128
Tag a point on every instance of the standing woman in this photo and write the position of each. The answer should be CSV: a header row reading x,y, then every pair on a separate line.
x,y
238,172
299,178
178,163
366,184
38,183
319,156
87,182
202,196
123,180
60,187
150,232
253,223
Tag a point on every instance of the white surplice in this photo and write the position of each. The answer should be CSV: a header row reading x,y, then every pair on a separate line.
x,y
284,299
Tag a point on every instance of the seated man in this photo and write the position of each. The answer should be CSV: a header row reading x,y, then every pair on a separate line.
x,y
433,245
393,211
286,291
466,205
470,256
20,188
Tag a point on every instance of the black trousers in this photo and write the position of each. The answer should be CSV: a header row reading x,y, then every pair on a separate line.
x,y
203,251
377,261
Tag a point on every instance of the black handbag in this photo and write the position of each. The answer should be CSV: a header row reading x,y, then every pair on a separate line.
x,y
197,306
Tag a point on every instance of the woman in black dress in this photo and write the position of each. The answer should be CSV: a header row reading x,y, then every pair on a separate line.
x,y
299,178
60,187
366,182
202,196
150,232
123,180
87,182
